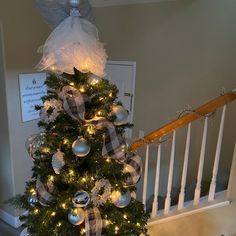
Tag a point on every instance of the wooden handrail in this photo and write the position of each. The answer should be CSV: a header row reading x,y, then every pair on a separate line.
x,y
186,119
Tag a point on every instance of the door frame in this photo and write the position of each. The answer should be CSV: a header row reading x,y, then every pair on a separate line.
x,y
134,65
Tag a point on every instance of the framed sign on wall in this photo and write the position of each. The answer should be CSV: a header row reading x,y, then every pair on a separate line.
x,y
32,89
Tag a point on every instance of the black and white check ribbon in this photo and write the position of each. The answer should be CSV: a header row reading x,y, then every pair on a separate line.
x,y
133,168
113,143
44,196
73,102
93,222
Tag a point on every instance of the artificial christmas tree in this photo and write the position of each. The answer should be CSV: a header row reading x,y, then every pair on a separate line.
x,y
83,176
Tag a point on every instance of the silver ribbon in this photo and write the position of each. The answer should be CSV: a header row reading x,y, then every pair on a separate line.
x,y
55,11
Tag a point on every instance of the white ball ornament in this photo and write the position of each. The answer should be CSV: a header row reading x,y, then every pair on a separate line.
x,y
121,115
81,199
74,3
119,200
76,216
80,147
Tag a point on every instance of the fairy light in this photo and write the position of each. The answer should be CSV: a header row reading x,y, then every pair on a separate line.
x,y
83,231
51,178
36,211
59,224
53,213
32,191
138,224
94,81
116,229
63,206
92,178
46,149
65,141
72,84
71,172
84,179
110,94
91,129
82,89
107,222
99,113
108,160
128,221
125,216
101,98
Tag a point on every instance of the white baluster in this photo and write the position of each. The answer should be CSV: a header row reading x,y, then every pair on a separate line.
x,y
185,170
145,177
170,177
217,157
201,164
157,179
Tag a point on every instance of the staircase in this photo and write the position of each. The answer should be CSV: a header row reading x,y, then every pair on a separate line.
x,y
202,195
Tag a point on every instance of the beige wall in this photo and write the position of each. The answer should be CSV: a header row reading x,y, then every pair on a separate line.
x,y
23,32
185,53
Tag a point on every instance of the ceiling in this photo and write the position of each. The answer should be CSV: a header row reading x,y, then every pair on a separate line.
x,y
104,3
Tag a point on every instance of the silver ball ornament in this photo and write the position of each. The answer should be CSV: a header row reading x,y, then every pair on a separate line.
x,y
32,200
121,115
81,199
119,200
76,216
74,3
80,147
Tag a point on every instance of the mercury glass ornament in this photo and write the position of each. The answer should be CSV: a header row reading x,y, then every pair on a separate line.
x,y
121,115
76,216
74,3
80,147
81,199
120,200
32,200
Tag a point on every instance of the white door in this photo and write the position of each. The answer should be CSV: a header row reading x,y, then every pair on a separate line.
x,y
123,74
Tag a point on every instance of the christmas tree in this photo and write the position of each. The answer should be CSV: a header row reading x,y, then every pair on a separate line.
x,y
84,174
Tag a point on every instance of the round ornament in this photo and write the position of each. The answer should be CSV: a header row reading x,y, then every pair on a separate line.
x,y
32,200
80,147
121,115
81,199
24,232
120,200
58,161
74,3
76,216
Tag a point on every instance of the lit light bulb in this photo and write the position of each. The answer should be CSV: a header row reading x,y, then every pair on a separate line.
x,y
63,206
84,179
138,224
72,83
46,149
94,81
65,141
82,89
53,213
108,160
59,224
125,216
51,178
36,211
32,190
83,231
116,229
71,172
110,94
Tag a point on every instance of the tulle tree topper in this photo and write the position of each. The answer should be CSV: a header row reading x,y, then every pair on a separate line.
x,y
74,43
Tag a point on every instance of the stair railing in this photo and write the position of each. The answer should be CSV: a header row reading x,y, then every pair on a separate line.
x,y
170,128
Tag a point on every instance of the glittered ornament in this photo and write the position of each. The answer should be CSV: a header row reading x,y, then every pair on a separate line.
x,y
76,216
81,199
80,147
120,200
32,200
121,115
58,161
35,143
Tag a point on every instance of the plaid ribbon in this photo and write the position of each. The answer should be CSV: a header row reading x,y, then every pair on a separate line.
x,y
133,168
44,196
113,143
73,102
93,222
